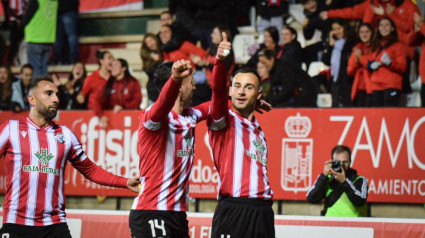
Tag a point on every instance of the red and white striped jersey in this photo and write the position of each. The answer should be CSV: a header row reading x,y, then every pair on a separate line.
x,y
18,7
35,160
166,149
239,148
240,155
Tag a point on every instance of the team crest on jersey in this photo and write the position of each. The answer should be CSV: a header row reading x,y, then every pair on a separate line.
x,y
189,148
60,138
44,158
259,154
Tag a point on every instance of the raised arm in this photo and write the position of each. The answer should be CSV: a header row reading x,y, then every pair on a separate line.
x,y
219,99
170,91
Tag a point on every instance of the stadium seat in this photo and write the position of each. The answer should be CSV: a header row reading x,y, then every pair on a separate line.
x,y
241,42
324,100
316,67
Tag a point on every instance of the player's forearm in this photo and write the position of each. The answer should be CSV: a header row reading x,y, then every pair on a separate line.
x,y
98,175
165,101
219,95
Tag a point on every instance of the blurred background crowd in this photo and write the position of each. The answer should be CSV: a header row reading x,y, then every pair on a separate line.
x,y
308,53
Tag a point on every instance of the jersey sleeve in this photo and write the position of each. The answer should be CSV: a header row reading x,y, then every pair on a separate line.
x,y
90,170
163,105
4,137
219,102
202,111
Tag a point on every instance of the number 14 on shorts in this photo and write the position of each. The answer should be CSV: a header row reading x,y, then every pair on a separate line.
x,y
157,225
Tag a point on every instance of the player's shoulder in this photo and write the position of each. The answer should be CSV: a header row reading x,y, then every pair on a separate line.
x,y
62,129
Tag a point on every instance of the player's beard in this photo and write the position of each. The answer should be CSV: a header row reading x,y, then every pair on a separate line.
x,y
47,112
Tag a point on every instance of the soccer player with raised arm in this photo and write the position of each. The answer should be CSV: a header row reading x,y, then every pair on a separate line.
x,y
35,151
166,149
240,155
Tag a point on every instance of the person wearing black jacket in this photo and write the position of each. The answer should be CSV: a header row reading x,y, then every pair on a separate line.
x,y
271,13
209,14
180,35
292,87
313,22
344,191
336,55
67,33
290,50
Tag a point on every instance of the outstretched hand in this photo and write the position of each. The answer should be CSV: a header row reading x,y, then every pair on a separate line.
x,y
181,69
263,106
133,184
224,47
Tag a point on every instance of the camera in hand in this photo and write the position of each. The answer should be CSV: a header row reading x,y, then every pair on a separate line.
x,y
337,166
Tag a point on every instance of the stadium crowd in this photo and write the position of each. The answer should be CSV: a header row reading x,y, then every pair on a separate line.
x,y
371,48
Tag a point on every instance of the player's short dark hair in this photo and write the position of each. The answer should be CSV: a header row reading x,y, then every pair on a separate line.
x,y
162,74
34,82
340,149
248,71
26,66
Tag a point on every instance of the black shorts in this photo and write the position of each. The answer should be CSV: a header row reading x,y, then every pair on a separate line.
x,y
51,231
158,224
243,217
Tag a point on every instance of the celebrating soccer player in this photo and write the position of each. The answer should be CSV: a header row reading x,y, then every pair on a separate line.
x,y
240,155
166,149
36,151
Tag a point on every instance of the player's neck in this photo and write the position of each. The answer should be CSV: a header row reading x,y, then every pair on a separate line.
x,y
244,113
38,119
178,106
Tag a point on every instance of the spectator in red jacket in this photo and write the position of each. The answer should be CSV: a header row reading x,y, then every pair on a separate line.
x,y
371,11
94,83
361,92
417,38
387,64
122,91
185,50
